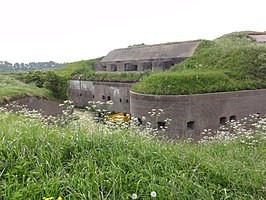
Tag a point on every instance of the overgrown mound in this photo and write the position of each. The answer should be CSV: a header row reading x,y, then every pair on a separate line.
x,y
113,76
79,67
12,87
234,58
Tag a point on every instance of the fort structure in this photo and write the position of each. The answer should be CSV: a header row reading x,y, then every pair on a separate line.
x,y
190,114
157,57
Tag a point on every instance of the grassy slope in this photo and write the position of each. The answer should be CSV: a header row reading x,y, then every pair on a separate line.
x,y
37,161
84,70
234,57
79,67
116,76
11,85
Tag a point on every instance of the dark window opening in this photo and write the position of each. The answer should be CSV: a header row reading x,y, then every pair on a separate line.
x,y
108,98
93,96
167,65
113,67
147,66
139,121
120,100
223,120
190,125
80,94
233,118
103,97
126,100
130,67
104,68
161,125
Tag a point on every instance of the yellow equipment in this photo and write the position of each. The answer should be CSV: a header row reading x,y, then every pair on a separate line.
x,y
119,117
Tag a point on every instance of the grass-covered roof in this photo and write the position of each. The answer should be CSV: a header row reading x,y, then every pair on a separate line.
x,y
232,62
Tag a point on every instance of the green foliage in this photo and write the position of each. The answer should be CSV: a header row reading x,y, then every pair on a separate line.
x,y
11,86
39,161
36,77
187,82
235,55
76,68
50,80
58,85
115,76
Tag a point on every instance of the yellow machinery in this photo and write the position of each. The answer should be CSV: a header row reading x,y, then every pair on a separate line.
x,y
119,117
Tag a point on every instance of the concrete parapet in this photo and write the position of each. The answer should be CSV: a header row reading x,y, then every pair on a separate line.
x,y
191,114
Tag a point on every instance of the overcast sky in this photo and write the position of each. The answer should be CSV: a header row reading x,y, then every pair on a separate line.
x,y
73,30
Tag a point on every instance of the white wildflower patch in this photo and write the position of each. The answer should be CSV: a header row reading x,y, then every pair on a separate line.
x,y
249,131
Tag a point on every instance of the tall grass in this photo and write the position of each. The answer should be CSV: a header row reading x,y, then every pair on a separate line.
x,y
92,161
10,86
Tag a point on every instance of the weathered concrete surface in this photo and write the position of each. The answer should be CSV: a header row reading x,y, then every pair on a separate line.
x,y
80,92
44,106
191,114
156,57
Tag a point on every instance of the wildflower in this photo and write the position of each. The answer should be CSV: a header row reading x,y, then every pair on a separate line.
x,y
134,196
59,198
153,194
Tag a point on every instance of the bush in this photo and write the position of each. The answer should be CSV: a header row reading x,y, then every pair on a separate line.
x,y
57,84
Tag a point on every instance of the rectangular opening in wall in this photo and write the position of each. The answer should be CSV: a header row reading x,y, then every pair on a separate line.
x,y
147,66
130,67
232,118
126,100
103,97
167,65
120,100
190,125
93,96
108,98
80,94
104,68
161,125
223,120
113,67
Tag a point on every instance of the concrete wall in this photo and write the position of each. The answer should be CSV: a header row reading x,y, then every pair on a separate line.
x,y
190,114
157,65
80,92
44,106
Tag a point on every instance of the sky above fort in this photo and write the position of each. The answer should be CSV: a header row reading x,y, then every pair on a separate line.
x,y
73,30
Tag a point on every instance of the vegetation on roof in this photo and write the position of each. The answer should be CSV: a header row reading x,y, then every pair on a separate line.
x,y
231,62
112,76
78,67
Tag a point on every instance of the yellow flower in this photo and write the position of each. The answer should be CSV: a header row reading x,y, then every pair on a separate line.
x,y
59,198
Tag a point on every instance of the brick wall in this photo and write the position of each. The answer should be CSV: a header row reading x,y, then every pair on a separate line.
x,y
81,92
191,114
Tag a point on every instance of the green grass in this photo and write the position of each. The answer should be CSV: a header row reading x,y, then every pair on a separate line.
x,y
11,86
79,67
233,56
97,162
189,82
116,76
